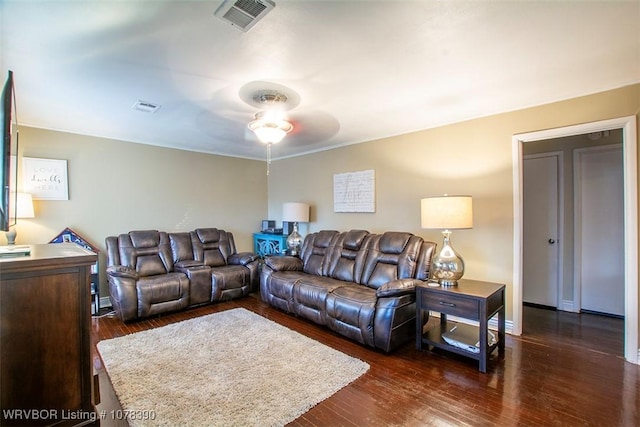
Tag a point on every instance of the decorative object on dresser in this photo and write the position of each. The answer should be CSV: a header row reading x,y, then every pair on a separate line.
x,y
471,299
23,209
447,213
358,284
45,345
295,212
152,272
232,368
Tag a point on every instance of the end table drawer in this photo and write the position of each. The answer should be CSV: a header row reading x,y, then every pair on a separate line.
x,y
447,304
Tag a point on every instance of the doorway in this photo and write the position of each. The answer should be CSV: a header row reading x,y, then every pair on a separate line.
x,y
628,126
599,236
542,207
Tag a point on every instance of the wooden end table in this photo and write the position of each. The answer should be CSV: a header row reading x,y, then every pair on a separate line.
x,y
471,299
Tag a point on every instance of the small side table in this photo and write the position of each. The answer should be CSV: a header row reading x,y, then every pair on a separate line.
x,y
471,299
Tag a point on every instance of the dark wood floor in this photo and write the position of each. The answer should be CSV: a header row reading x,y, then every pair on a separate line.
x,y
566,369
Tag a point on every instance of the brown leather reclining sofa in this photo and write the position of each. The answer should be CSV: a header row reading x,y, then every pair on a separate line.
x,y
152,272
358,284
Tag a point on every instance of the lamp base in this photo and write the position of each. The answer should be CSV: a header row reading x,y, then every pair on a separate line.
x,y
446,283
11,235
294,241
447,265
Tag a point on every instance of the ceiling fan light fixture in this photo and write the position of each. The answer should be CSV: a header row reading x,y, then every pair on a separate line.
x,y
270,130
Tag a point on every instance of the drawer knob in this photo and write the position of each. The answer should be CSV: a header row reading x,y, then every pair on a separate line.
x,y
448,304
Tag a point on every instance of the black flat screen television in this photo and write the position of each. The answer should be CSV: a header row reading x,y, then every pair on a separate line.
x,y
8,155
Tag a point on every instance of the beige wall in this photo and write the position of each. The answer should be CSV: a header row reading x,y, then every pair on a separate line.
x,y
115,187
473,157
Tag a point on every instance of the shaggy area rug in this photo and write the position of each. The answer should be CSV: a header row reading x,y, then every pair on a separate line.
x,y
233,368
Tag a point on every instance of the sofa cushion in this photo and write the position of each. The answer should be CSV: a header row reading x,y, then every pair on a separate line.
x,y
350,311
315,251
347,257
181,247
310,294
280,286
391,256
211,246
226,278
146,251
154,292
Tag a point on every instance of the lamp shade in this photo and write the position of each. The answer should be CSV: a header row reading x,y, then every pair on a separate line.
x,y
23,206
295,212
447,212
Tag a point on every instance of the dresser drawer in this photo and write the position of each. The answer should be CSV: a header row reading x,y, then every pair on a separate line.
x,y
452,304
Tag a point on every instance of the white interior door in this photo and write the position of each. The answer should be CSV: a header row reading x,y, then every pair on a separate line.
x,y
540,279
600,229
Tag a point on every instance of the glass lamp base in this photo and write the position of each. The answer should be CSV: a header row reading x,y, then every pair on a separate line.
x,y
294,241
11,236
447,265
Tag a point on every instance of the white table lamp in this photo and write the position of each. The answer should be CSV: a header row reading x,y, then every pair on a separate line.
x,y
23,209
295,212
447,213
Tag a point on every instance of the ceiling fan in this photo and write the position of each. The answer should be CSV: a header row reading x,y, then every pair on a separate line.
x,y
271,123
240,115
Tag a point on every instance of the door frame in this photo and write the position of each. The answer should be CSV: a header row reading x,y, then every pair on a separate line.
x,y
630,165
559,155
577,218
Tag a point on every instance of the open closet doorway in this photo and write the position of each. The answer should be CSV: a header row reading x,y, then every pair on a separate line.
x,y
567,300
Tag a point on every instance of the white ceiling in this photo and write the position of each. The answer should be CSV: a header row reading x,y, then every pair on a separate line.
x,y
362,69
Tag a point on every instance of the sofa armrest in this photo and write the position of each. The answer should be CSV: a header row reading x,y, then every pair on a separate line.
x,y
242,258
397,287
123,292
122,271
283,263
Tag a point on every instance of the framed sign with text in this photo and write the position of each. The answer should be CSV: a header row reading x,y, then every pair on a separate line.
x,y
45,179
354,191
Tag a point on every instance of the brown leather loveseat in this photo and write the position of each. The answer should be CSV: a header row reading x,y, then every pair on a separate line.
x,y
152,272
358,284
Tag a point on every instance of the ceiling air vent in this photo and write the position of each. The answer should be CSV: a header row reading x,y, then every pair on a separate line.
x,y
145,107
243,14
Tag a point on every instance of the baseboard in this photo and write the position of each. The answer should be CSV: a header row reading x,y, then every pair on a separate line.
x,y
568,306
508,325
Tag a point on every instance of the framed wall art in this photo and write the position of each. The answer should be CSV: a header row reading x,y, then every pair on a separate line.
x,y
354,191
45,179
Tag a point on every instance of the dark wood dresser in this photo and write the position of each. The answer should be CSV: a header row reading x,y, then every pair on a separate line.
x,y
45,342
